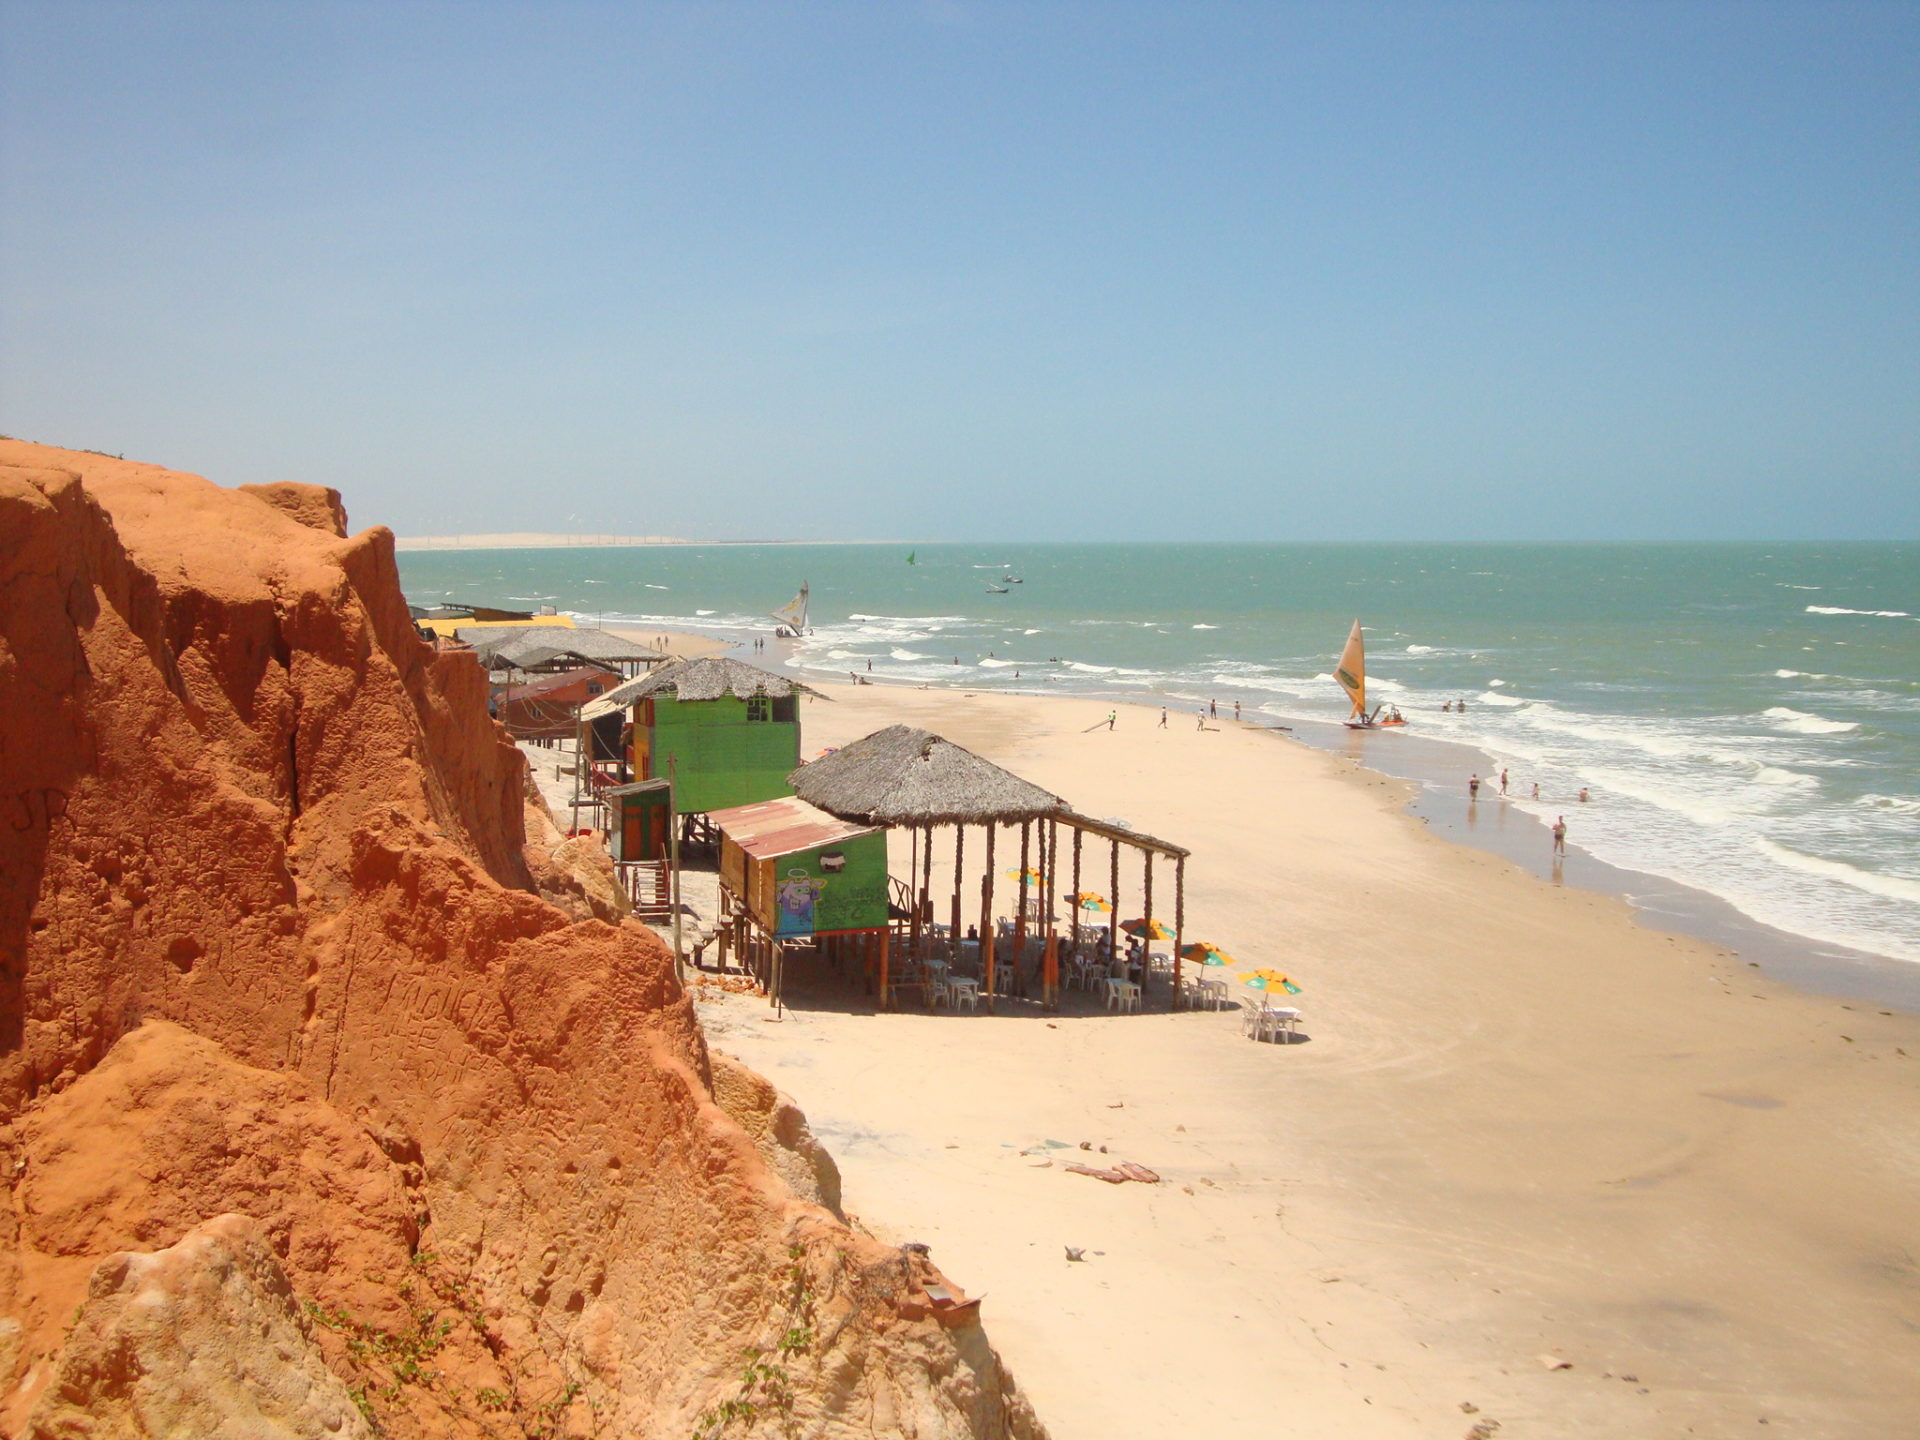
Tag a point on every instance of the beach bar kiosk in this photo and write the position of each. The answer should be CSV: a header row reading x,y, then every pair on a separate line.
x,y
792,874
727,733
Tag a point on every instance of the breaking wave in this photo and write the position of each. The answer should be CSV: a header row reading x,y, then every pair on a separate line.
x,y
1801,723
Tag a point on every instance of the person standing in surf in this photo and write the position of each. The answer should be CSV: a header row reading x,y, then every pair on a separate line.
x,y
1560,835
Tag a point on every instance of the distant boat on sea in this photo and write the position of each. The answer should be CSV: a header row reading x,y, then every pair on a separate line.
x,y
997,590
1351,672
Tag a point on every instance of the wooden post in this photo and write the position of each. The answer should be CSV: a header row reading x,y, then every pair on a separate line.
x,y
1179,921
1113,894
913,894
926,893
1050,981
886,936
959,860
1073,900
987,937
1146,940
1020,915
673,859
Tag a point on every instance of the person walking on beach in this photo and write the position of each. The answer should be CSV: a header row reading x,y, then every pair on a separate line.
x,y
1163,717
1200,721
1213,707
1236,710
1473,788
1503,781
1112,715
1560,835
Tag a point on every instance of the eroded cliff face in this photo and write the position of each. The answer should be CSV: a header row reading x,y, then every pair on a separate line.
x,y
299,1071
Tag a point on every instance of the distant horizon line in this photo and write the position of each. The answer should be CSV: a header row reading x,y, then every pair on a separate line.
x,y
534,540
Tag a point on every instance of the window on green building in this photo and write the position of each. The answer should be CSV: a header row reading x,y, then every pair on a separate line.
x,y
759,707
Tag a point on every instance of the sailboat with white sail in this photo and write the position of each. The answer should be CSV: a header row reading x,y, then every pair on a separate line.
x,y
792,616
1351,672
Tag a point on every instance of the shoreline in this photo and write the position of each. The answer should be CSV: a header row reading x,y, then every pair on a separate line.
x,y
1521,1122
1433,767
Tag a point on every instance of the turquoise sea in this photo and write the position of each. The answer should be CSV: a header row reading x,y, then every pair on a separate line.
x,y
1746,718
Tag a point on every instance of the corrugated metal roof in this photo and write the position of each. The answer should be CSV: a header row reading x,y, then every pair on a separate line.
x,y
768,828
544,684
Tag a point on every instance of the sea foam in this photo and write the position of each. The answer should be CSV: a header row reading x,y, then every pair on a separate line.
x,y
1891,887
1801,723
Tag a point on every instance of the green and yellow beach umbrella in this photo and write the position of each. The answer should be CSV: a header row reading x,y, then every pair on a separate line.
x,y
1147,929
1031,876
1087,900
1206,954
1268,980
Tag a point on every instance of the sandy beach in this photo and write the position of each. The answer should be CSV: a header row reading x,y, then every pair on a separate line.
x,y
1520,1126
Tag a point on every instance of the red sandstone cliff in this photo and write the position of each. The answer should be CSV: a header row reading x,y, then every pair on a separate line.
x,y
315,1118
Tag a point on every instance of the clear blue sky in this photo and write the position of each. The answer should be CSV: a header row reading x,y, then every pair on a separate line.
x,y
956,270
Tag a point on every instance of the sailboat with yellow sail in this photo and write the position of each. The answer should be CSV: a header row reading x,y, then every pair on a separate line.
x,y
793,616
1351,672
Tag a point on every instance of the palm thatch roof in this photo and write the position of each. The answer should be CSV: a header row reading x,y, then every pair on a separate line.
x,y
706,679
521,646
904,776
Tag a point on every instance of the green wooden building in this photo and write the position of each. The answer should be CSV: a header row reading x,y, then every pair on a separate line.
x,y
801,873
729,731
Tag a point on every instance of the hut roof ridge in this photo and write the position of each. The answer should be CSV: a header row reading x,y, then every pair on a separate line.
x,y
906,776
707,679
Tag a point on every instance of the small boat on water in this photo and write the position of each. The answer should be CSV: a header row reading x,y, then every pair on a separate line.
x,y
1013,579
997,590
1351,672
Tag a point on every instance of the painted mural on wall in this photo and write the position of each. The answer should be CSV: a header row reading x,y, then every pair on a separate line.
x,y
843,888
796,896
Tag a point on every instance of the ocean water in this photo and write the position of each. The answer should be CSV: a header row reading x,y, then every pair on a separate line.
x,y
1746,718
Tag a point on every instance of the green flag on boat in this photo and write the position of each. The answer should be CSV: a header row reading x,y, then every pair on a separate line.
x,y
910,555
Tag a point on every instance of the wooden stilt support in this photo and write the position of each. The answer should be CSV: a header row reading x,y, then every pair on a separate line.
x,y
886,994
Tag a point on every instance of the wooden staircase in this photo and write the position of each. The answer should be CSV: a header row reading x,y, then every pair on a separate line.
x,y
648,885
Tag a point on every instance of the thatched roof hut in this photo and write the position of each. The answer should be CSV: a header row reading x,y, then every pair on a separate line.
x,y
706,679
904,776
525,646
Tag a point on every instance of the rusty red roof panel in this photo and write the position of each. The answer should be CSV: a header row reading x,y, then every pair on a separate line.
x,y
768,828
